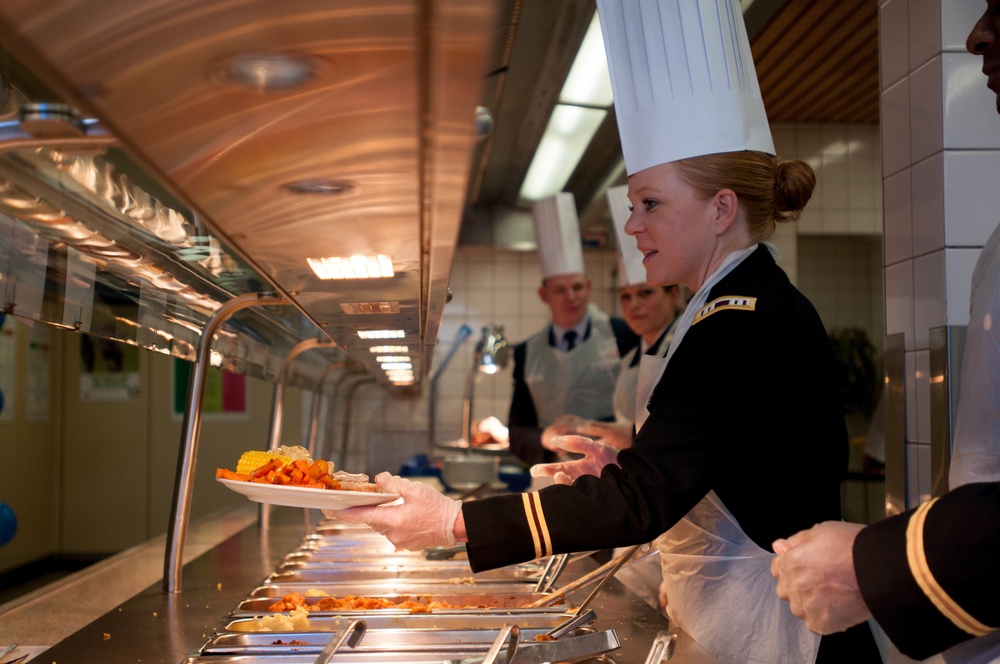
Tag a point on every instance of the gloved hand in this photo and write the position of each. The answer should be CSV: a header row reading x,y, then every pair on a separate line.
x,y
618,436
595,457
425,518
563,426
815,573
495,429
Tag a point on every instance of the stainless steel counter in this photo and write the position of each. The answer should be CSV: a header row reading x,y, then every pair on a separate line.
x,y
154,627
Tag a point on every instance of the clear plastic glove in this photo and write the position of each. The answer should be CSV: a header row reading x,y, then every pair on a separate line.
x,y
564,425
425,518
595,457
618,436
495,429
815,573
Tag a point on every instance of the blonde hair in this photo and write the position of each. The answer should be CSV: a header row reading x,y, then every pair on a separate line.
x,y
770,189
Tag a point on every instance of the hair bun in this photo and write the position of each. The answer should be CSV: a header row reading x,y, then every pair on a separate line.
x,y
794,182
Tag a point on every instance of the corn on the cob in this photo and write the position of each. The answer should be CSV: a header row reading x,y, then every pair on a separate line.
x,y
251,461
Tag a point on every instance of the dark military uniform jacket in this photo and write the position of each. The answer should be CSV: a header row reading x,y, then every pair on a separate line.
x,y
931,576
748,406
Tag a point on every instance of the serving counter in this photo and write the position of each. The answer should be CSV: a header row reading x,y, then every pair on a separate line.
x,y
171,628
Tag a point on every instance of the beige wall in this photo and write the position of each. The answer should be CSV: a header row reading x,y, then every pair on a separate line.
x,y
104,471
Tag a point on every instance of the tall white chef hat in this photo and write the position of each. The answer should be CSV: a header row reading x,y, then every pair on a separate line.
x,y
630,268
557,231
683,79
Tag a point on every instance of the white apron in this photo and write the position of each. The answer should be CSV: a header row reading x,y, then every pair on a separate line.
x,y
626,389
577,382
718,581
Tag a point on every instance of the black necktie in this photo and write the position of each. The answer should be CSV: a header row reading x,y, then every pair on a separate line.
x,y
570,339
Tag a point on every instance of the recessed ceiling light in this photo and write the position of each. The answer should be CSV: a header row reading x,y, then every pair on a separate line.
x,y
390,349
381,334
266,72
320,186
352,267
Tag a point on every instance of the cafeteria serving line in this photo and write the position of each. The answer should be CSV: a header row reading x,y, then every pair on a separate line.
x,y
157,165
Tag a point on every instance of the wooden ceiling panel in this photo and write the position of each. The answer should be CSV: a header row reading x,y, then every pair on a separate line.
x,y
818,62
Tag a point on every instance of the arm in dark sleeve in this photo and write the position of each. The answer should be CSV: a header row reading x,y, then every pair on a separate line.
x,y
947,549
522,421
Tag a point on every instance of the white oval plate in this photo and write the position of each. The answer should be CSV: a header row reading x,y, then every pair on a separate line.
x,y
300,496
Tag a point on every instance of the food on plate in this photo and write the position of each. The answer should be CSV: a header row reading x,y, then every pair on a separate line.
x,y
292,466
295,602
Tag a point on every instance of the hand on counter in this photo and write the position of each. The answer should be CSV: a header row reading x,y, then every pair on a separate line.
x,y
425,518
595,457
815,573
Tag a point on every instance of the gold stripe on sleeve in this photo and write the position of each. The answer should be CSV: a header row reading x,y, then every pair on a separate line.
x,y
917,559
542,526
529,514
536,523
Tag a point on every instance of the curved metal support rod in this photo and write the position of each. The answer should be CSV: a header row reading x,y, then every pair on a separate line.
x,y
180,512
327,450
317,399
347,417
274,438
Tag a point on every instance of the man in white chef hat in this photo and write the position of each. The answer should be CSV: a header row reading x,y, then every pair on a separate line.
x,y
571,365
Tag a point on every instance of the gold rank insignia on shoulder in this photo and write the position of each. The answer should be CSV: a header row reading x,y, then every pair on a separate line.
x,y
740,302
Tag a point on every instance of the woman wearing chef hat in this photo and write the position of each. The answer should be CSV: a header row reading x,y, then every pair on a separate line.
x,y
742,439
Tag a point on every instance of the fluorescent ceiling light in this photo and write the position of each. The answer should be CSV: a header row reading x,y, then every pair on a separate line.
x,y
392,358
381,334
355,267
390,349
396,366
583,104
566,138
589,81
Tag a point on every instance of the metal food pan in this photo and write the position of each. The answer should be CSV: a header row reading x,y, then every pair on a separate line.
x,y
588,646
443,577
376,620
380,639
477,602
293,657
394,588
390,569
358,554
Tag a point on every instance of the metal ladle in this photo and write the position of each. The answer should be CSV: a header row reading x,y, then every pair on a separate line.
x,y
615,565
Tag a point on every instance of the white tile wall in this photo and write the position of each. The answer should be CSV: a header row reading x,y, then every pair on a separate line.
x,y
927,205
894,31
959,264
898,228
896,127
925,31
972,196
848,194
926,131
842,277
928,296
899,301
970,117
957,21
946,131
